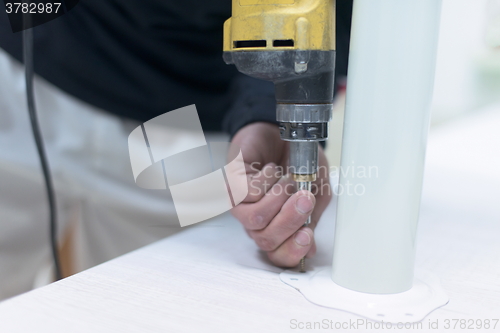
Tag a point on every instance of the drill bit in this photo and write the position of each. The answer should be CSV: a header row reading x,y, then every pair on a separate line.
x,y
304,186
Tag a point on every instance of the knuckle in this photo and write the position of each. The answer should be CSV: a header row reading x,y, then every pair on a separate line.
x,y
255,221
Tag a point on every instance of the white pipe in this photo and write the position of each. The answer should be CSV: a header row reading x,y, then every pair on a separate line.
x,y
389,92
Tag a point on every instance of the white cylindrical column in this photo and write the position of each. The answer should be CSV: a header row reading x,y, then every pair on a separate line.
x,y
389,92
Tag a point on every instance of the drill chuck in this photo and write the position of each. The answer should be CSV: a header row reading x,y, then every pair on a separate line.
x,y
304,125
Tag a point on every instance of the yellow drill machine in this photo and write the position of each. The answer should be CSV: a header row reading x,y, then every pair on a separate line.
x,y
292,44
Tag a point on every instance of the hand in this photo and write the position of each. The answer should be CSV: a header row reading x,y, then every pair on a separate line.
x,y
272,213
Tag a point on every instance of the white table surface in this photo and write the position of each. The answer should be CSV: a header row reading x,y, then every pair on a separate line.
x,y
211,278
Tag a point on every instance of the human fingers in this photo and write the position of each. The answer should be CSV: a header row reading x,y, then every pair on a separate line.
x,y
290,218
296,247
257,215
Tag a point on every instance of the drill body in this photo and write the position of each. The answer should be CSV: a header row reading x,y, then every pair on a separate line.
x,y
292,44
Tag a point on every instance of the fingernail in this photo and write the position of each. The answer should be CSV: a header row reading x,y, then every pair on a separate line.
x,y
302,238
304,204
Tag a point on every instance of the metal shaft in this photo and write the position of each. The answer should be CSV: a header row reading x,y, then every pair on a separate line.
x,y
304,186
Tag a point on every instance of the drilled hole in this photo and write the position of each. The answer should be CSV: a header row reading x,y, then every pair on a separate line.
x,y
409,314
381,315
249,43
293,279
283,43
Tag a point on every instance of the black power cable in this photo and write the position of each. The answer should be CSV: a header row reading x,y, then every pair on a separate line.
x,y
28,62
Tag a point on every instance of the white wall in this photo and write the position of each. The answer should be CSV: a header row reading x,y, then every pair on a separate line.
x,y
461,42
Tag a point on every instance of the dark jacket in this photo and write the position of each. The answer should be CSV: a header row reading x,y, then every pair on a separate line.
x,y
141,58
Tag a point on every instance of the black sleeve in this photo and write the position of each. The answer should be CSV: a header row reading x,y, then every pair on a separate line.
x,y
141,58
254,99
